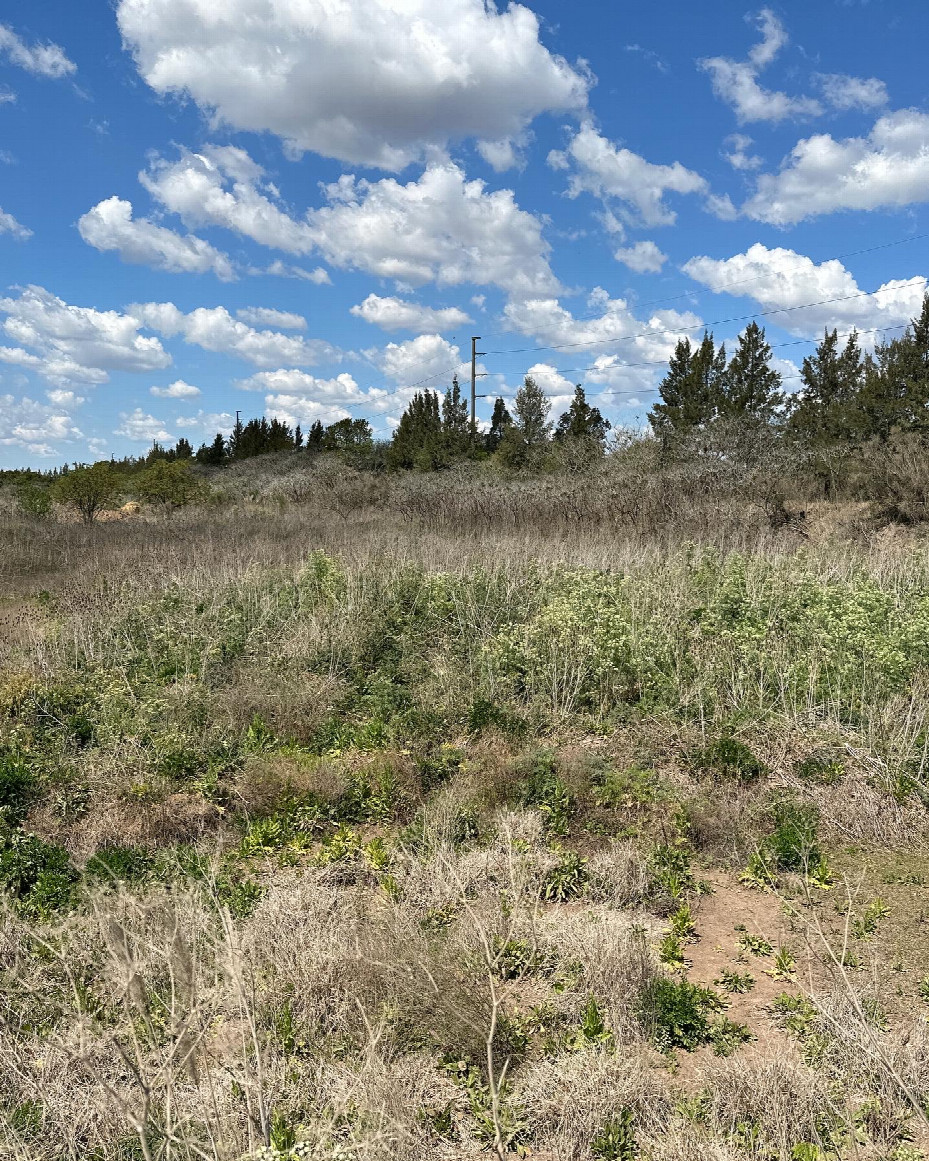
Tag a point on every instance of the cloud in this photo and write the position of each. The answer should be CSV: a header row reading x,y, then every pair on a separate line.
x,y
600,168
629,352
43,60
320,275
142,428
396,314
214,329
62,398
110,226
736,82
781,278
373,82
643,257
32,426
296,397
264,316
505,154
66,343
843,92
738,156
222,186
440,228
206,422
423,358
177,390
889,167
9,225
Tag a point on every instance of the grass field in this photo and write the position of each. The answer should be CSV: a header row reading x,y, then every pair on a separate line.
x,y
338,824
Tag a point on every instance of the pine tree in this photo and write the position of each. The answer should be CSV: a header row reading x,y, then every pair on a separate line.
x,y
826,410
692,391
213,454
499,422
456,427
419,438
582,423
751,388
526,440
316,436
183,450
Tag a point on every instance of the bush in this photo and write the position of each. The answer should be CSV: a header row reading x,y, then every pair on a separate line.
x,y
90,490
677,1013
729,759
38,875
18,789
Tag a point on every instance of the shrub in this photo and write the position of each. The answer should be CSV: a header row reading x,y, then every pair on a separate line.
x,y
677,1013
18,789
89,490
567,879
616,1140
545,790
38,875
728,758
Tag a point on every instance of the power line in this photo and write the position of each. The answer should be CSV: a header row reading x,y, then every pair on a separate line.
x,y
743,281
702,325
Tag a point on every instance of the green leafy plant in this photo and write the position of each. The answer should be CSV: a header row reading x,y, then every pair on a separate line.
x,y
732,981
754,944
677,1013
38,875
545,790
729,759
616,1140
785,964
567,879
868,923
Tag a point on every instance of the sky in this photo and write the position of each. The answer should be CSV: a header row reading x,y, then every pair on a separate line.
x,y
306,208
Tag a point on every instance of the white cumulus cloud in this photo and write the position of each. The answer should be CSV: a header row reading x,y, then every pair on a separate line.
x,y
9,225
110,226
736,82
643,257
440,228
427,357
371,82
142,428
67,343
214,329
177,390
43,60
780,278
33,426
397,314
889,167
845,92
601,168
265,316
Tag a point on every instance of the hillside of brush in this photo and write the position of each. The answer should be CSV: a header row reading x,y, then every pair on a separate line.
x,y
348,816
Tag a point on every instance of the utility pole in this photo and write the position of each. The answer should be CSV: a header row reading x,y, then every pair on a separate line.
x,y
475,354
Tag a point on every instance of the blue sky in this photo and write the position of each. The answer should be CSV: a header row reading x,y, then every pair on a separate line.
x,y
305,208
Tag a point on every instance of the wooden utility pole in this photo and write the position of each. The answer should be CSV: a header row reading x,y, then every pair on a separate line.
x,y
475,354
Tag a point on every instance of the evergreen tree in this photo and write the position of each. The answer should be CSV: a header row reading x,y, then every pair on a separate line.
x,y
298,437
499,422
456,426
583,424
692,391
213,454
419,438
315,437
525,441
751,388
183,450
348,435
827,409
895,393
